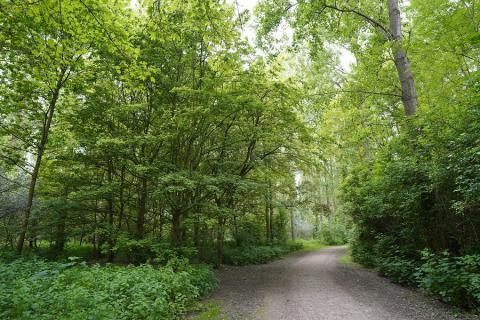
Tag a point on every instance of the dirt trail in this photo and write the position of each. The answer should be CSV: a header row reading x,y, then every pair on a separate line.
x,y
313,285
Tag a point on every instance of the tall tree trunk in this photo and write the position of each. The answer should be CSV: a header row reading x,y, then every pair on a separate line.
x,y
161,222
60,234
328,208
82,234
96,251
31,193
121,198
235,230
402,64
220,239
38,160
176,227
292,223
196,232
142,207
393,35
267,220
270,219
111,239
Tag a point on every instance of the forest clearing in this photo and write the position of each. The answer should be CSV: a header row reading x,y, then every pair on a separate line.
x,y
239,159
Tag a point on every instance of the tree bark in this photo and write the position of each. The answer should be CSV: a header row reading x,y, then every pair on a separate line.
x,y
111,239
176,228
267,220
402,64
394,36
121,198
60,234
38,161
142,208
220,239
270,219
292,223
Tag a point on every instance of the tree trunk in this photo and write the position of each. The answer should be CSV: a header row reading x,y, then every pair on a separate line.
x,y
94,238
330,226
142,208
270,219
38,161
31,193
292,223
220,239
161,222
82,234
316,230
196,232
60,234
176,228
402,64
394,35
235,230
267,220
121,198
111,240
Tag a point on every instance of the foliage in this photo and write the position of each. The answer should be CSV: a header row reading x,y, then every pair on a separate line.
x,y
156,133
33,289
165,138
134,251
408,183
455,280
398,269
258,254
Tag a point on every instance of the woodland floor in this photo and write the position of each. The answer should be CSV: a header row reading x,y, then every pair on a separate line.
x,y
315,285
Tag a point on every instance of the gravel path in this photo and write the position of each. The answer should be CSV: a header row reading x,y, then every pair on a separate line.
x,y
313,285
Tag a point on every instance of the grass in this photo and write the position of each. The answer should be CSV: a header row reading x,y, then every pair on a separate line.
x,y
347,260
311,245
209,312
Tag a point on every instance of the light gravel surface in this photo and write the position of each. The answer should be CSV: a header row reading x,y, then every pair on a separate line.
x,y
314,285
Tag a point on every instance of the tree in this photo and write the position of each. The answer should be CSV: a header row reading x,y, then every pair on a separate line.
x,y
50,44
312,21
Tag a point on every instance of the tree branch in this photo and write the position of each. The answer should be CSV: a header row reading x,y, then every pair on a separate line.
x,y
386,33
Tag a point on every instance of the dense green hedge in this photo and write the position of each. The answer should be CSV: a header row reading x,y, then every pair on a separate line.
x,y
454,280
34,289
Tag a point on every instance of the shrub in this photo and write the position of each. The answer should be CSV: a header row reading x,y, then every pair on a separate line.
x,y
292,246
38,290
135,251
362,254
456,280
398,269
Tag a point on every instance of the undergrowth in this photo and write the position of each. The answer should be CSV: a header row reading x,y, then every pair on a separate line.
x,y
35,289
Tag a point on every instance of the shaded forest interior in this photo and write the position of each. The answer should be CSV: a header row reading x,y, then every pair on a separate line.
x,y
184,132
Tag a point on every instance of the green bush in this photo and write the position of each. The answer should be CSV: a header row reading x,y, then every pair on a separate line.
x,y
362,253
456,280
151,250
33,289
398,269
134,251
292,246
